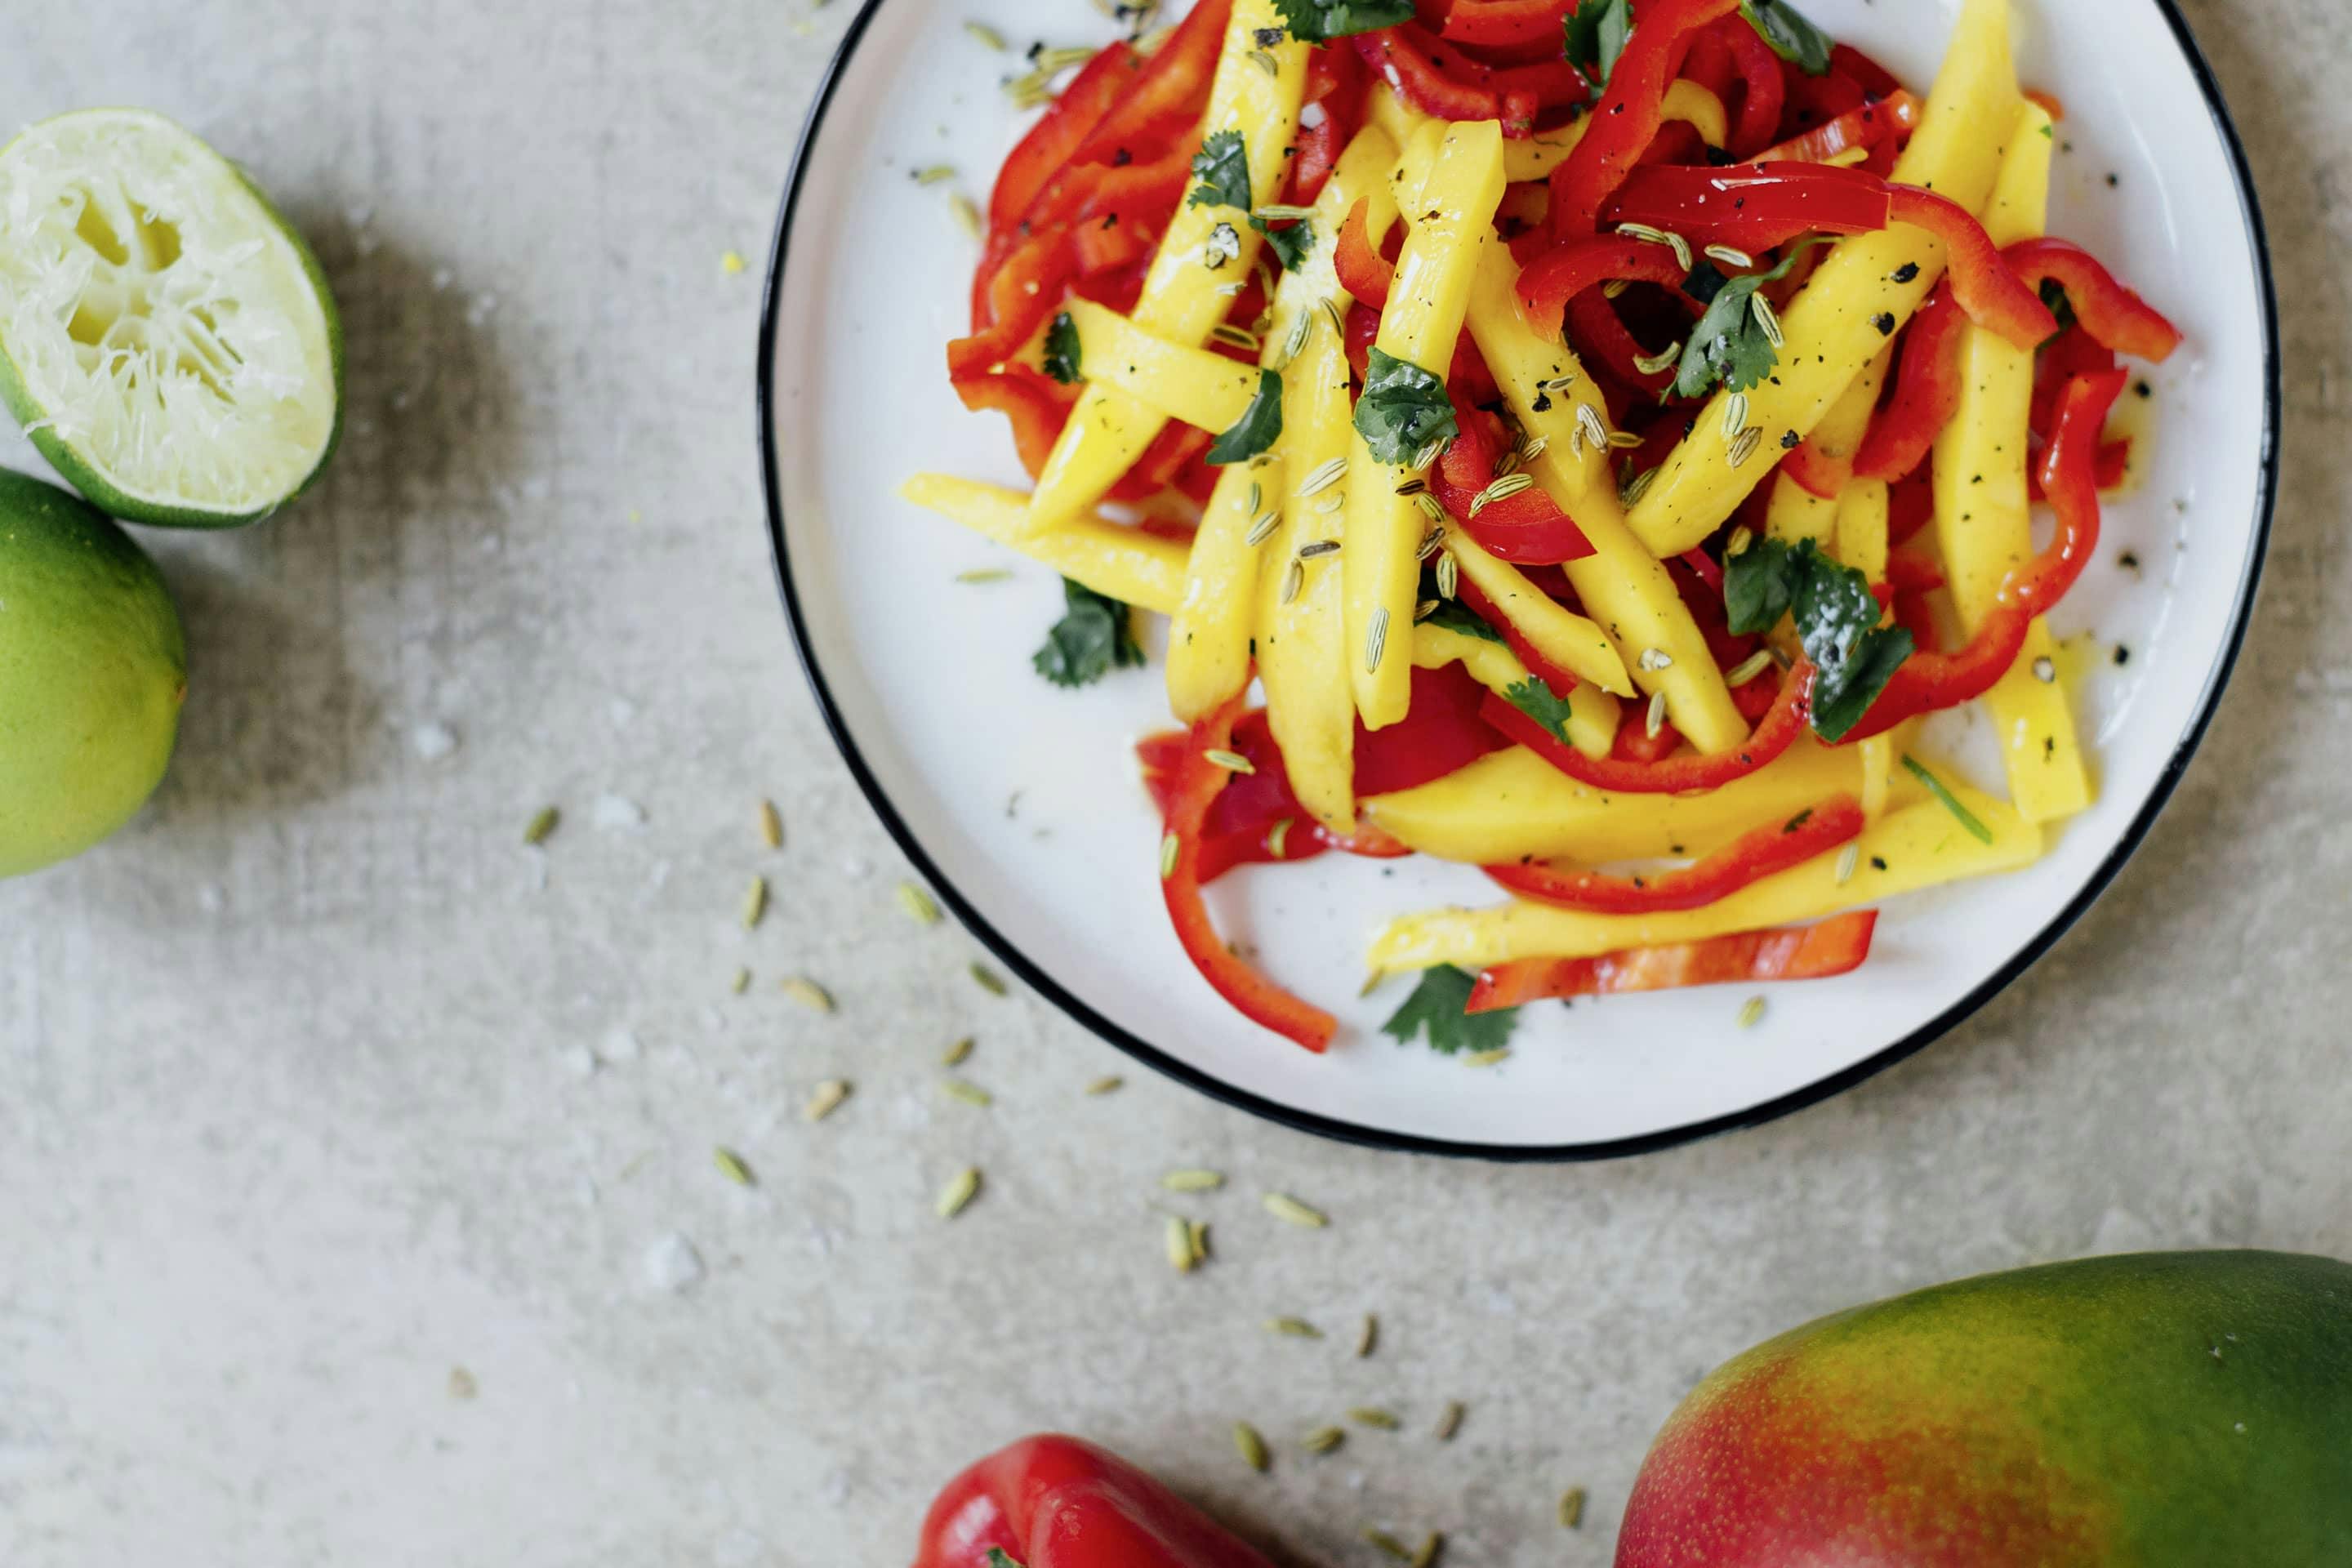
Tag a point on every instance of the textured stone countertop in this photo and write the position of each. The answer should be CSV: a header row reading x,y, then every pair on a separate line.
x,y
344,1141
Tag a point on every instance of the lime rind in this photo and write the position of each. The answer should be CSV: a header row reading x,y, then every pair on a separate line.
x,y
167,340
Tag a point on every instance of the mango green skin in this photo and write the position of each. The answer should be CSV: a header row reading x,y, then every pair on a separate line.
x,y
2166,1410
93,669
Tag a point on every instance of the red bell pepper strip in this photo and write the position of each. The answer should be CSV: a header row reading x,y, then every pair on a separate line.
x,y
1773,847
1166,99
1910,504
1559,275
1626,118
1363,272
1528,529
1993,295
1837,946
1929,682
2071,354
1636,745
1022,295
2114,468
1256,998
2110,313
1908,572
1506,23
1037,407
1051,1501
1168,460
1603,341
1872,125
1675,776
1441,733
1926,392
1753,206
1334,86
1068,122
1766,93
1440,80
1875,80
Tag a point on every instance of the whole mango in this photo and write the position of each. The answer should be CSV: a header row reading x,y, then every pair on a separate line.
x,y
2165,1410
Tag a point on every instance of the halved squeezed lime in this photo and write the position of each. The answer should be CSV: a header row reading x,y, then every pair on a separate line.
x,y
166,339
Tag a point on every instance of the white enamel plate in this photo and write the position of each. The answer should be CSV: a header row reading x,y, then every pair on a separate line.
x,y
1022,803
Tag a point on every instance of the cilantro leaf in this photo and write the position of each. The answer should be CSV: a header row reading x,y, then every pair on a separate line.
x,y
1403,409
1291,246
1062,349
1837,621
1729,345
1000,1558
1792,37
1222,165
1260,426
1319,21
1759,585
1453,615
1434,1012
1536,701
2053,296
1597,31
1095,634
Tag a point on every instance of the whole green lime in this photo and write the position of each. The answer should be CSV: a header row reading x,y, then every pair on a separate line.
x,y
93,669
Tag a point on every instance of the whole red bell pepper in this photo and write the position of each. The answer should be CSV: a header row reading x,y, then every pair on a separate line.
x,y
1926,392
1626,118
2110,313
1051,1501
1675,775
1198,780
1771,848
1837,946
1930,682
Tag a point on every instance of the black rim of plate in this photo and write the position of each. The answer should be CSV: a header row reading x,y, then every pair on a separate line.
x,y
1836,1083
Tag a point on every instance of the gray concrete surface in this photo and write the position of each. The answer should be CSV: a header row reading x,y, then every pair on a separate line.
x,y
316,1087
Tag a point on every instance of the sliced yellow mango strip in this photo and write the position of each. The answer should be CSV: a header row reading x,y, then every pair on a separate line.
x,y
1842,318
1514,803
1797,514
1921,846
1141,569
1862,528
1454,220
1209,642
1983,521
1204,390
1183,296
1300,657
1571,641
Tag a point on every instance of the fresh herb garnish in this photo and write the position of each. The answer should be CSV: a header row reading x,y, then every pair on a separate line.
x,y
999,1558
1095,635
1319,21
1259,427
1836,619
1453,615
1403,409
1597,31
1062,357
1538,702
1951,803
1222,165
1434,1012
1291,246
1792,37
1729,345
